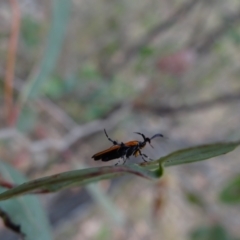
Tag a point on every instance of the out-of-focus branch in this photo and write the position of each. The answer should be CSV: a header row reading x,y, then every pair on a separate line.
x,y
133,50
72,136
80,131
209,41
48,106
9,133
87,129
56,112
11,58
169,111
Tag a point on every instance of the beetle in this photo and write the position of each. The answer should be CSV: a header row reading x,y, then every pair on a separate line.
x,y
125,150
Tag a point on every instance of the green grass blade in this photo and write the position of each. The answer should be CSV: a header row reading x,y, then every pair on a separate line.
x,y
199,153
25,212
193,154
104,201
76,178
86,176
230,194
60,15
107,204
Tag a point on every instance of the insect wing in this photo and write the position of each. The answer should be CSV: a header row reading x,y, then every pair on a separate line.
x,y
131,143
131,147
109,154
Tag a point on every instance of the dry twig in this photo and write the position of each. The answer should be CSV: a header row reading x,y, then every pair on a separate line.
x,y
133,50
11,58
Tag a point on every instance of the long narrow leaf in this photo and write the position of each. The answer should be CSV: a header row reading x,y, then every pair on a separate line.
x,y
24,212
60,14
86,176
76,178
193,154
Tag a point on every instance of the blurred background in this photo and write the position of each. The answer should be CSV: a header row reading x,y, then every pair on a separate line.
x,y
69,69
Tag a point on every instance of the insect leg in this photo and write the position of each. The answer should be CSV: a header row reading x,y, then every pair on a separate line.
x,y
123,151
144,155
124,160
131,151
118,162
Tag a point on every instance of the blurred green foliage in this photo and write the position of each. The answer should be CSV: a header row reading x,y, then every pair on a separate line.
x,y
214,232
195,199
30,31
104,233
231,192
144,55
234,35
55,88
28,121
26,211
55,39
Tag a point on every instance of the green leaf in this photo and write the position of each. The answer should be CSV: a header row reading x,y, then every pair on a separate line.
x,y
26,211
146,51
54,88
86,176
60,14
28,120
195,199
231,192
194,154
30,31
198,153
89,72
216,232
76,178
234,35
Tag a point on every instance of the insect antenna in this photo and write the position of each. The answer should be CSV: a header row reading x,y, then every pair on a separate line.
x,y
157,135
144,138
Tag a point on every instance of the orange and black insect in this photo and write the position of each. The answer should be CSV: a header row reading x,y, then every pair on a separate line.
x,y
125,150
